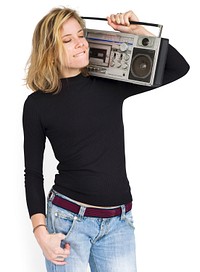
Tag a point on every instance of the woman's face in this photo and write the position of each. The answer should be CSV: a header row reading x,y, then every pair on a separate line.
x,y
76,50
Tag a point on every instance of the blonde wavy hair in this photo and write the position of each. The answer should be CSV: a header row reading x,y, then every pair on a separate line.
x,y
44,64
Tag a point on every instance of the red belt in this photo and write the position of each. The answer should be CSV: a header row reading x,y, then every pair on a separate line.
x,y
90,212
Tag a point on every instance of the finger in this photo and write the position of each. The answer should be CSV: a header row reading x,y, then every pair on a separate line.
x,y
131,16
119,18
111,23
60,258
67,248
112,18
59,262
60,255
126,19
123,19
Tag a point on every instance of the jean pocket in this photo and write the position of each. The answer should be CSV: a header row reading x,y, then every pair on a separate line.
x,y
61,221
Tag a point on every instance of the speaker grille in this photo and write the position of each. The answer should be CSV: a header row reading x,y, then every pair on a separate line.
x,y
141,64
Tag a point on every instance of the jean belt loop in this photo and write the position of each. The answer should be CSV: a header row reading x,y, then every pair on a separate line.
x,y
81,211
51,195
123,214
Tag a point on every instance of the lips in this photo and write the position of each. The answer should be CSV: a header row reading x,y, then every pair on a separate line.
x,y
79,54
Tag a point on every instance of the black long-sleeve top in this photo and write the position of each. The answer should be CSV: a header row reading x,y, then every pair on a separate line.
x,y
84,125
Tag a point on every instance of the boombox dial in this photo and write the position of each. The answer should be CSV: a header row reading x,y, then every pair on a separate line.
x,y
123,47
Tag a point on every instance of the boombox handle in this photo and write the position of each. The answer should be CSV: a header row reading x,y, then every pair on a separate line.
x,y
131,22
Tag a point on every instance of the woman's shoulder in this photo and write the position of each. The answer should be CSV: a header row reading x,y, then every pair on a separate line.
x,y
35,102
37,97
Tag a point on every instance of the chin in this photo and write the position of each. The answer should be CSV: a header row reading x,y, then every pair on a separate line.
x,y
85,64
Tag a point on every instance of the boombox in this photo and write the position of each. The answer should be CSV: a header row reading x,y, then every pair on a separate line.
x,y
127,57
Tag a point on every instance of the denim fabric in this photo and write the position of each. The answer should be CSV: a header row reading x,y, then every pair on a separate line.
x,y
107,244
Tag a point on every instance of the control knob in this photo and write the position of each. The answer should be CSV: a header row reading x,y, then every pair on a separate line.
x,y
123,47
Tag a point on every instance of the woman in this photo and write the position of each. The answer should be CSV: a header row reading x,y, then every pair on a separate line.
x,y
89,216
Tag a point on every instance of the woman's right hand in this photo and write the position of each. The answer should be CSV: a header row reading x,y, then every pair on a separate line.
x,y
121,22
51,246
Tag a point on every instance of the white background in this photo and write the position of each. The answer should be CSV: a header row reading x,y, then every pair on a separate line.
x,y
161,132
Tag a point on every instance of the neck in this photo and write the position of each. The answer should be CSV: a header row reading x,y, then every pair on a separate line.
x,y
70,73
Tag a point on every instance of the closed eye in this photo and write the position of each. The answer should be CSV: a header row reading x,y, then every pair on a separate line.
x,y
69,40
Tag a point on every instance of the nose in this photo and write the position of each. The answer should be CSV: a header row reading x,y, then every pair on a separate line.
x,y
79,42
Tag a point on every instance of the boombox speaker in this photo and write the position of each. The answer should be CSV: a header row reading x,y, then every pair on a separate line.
x,y
127,57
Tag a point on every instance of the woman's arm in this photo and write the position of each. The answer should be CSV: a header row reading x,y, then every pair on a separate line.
x,y
34,144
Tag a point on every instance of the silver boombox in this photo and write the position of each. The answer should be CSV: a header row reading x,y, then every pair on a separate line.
x,y
127,57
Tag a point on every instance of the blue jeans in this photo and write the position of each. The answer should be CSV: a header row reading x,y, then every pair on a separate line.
x,y
107,244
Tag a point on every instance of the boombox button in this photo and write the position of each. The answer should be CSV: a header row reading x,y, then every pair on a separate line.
x,y
123,47
112,64
118,64
124,66
102,71
126,57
